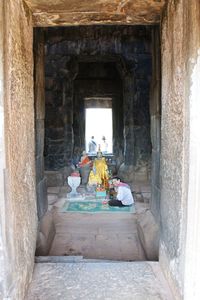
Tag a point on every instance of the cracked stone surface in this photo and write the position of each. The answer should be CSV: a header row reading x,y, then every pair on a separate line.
x,y
62,281
66,12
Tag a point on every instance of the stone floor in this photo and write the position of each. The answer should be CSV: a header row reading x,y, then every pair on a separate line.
x,y
97,256
104,281
101,236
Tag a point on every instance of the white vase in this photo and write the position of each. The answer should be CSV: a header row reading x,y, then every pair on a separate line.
x,y
74,183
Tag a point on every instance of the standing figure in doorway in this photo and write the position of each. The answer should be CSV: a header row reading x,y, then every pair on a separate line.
x,y
104,145
92,146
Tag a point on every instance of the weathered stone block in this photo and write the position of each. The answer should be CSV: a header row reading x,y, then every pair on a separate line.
x,y
53,190
52,198
55,148
64,190
50,69
42,202
126,173
46,234
141,174
55,162
148,232
39,168
49,84
138,197
53,117
143,68
54,133
39,124
155,131
54,178
39,89
155,202
17,140
49,98
155,102
155,168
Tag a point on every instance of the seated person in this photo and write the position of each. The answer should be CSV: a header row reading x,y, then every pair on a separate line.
x,y
124,196
99,172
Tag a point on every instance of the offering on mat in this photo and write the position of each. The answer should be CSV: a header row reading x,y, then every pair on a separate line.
x,y
100,192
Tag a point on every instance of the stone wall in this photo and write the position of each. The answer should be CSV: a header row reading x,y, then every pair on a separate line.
x,y
2,163
39,101
18,208
129,48
180,49
155,113
192,243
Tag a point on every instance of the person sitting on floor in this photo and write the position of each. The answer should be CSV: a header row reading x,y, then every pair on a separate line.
x,y
124,196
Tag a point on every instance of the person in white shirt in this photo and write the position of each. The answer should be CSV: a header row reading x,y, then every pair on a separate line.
x,y
124,196
104,145
92,146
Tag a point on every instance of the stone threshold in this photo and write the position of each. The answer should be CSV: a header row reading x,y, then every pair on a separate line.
x,y
72,259
100,280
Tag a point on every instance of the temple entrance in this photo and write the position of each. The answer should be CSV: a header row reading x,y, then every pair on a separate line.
x,y
97,97
106,49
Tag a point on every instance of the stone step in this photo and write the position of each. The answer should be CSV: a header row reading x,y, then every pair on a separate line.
x,y
71,259
89,281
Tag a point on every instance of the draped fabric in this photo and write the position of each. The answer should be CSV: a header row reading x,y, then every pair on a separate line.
x,y
99,173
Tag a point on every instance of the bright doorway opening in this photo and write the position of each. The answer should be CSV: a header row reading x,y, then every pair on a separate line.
x,y
99,124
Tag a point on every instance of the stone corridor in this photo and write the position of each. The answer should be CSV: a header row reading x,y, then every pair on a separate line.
x,y
143,56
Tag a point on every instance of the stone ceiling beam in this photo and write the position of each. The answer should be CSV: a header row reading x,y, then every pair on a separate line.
x,y
87,12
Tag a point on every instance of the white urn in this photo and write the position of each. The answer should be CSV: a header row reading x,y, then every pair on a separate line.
x,y
74,182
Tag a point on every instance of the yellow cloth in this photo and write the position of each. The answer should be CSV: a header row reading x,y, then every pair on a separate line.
x,y
99,174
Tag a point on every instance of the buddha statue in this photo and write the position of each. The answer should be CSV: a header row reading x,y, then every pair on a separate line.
x,y
99,173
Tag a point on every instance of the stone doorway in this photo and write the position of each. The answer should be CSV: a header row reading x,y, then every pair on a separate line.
x,y
178,193
97,66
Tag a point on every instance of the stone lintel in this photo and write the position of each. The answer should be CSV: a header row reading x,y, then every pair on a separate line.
x,y
44,19
65,13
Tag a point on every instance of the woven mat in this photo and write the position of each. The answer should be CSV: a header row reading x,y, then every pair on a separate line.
x,y
95,207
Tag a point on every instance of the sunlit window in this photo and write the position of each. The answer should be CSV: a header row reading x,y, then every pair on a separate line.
x,y
99,130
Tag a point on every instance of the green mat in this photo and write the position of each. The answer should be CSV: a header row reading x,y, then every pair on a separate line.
x,y
95,207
